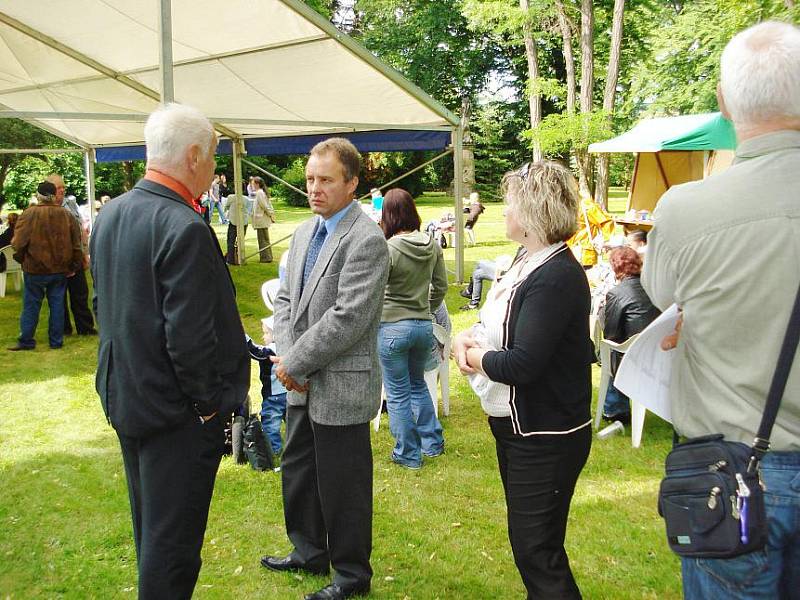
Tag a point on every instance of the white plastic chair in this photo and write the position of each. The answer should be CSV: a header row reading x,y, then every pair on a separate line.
x,y
269,290
13,268
637,410
439,375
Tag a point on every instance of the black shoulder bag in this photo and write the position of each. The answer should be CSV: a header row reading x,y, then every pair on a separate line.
x,y
712,498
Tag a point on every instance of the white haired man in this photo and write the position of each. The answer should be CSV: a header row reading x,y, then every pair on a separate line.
x,y
172,358
726,251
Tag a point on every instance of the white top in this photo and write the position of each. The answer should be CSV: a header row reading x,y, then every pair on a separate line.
x,y
495,397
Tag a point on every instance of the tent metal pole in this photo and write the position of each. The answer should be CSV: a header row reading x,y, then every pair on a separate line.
x,y
238,150
348,127
42,150
88,161
273,176
458,192
165,54
412,171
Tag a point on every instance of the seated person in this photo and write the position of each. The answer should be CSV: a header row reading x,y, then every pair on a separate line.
x,y
627,311
637,240
473,211
485,270
6,237
273,394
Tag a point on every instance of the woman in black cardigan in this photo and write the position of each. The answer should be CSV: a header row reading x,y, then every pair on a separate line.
x,y
529,361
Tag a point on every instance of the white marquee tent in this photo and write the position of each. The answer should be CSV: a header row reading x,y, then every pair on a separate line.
x,y
90,71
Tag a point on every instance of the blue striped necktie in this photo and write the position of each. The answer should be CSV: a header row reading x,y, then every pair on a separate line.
x,y
314,248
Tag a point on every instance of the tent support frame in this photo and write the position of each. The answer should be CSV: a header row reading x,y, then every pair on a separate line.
x,y
458,192
165,52
273,176
238,151
88,162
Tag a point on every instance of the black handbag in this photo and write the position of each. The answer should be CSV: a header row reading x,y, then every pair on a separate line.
x,y
712,498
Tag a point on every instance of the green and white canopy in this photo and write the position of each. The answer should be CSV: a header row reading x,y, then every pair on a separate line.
x,y
710,131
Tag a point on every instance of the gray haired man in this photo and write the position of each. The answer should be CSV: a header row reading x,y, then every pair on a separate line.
x,y
727,251
172,360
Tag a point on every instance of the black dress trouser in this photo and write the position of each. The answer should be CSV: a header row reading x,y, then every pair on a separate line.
x,y
170,482
232,257
77,298
327,496
539,473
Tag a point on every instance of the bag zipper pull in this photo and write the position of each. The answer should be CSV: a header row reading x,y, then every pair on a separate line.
x,y
720,464
743,490
712,498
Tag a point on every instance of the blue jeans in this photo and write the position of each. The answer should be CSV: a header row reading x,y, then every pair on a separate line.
x,y
218,205
273,411
772,573
616,402
36,288
404,348
485,269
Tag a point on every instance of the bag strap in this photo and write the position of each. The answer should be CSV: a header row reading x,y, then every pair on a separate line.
x,y
777,387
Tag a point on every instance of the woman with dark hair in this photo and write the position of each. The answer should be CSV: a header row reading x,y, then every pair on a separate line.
x,y
627,311
263,217
529,362
416,287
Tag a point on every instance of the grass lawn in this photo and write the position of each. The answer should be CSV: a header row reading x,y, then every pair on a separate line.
x,y
440,532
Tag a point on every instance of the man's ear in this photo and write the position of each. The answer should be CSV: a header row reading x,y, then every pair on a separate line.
x,y
352,185
193,157
721,101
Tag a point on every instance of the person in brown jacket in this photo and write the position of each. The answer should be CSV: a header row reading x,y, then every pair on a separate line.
x,y
47,242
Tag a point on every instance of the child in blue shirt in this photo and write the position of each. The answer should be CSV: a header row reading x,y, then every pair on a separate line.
x,y
273,394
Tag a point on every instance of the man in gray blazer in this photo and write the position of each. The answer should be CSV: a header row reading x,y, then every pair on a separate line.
x,y
327,313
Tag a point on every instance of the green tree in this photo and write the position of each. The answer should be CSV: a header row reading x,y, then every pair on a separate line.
x,y
681,72
430,43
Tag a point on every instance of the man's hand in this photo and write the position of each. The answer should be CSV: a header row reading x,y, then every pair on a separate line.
x,y
287,380
671,341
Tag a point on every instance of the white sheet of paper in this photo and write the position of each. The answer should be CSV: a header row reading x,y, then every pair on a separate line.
x,y
645,371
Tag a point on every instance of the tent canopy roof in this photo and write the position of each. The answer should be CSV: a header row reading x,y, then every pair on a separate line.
x,y
710,131
88,70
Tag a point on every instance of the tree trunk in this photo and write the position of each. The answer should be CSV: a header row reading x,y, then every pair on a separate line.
x,y
468,147
5,162
587,86
534,98
127,169
565,28
609,94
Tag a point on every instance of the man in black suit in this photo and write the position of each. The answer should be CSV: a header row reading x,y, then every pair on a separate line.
x,y
172,358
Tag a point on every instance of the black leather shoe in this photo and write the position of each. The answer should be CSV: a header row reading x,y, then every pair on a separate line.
x,y
18,348
287,563
465,294
335,591
88,332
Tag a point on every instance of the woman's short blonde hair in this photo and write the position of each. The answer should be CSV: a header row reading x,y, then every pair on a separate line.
x,y
545,197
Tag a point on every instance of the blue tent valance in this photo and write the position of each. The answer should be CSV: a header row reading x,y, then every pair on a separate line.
x,y
392,140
